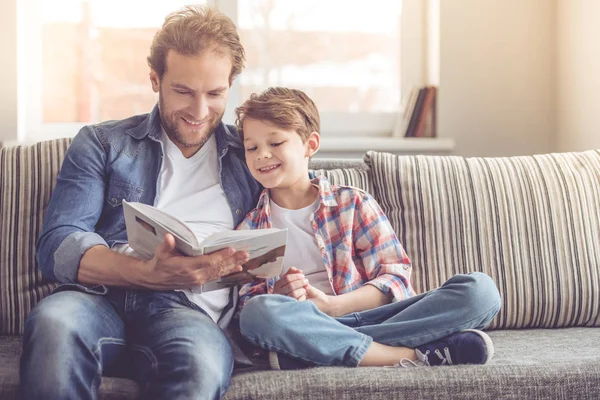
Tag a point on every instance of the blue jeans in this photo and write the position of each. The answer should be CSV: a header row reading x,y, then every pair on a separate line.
x,y
160,339
300,330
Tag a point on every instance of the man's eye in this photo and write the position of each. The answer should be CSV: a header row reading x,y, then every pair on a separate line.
x,y
215,94
182,92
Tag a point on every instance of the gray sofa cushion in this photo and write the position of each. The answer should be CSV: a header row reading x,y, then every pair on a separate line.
x,y
529,364
531,223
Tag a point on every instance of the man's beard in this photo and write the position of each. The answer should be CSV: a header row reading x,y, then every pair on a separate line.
x,y
169,124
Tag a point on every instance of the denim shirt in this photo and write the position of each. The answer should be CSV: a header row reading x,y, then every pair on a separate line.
x,y
115,161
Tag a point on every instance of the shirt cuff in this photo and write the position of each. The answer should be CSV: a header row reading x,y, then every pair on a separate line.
x,y
68,255
391,285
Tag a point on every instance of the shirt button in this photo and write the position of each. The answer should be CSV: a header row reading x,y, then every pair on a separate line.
x,y
113,200
406,267
238,211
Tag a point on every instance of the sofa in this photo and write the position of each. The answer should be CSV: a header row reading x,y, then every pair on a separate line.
x,y
532,223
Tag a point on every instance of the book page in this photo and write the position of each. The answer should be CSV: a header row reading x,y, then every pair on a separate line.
x,y
146,228
265,247
172,224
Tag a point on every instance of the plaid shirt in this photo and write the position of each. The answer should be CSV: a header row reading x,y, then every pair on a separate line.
x,y
357,242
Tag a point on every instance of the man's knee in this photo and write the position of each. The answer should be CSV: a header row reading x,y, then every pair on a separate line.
x,y
51,320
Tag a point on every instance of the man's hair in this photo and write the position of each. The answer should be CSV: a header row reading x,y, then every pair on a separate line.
x,y
285,108
194,30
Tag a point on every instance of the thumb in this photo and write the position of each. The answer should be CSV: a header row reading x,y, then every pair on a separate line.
x,y
294,270
166,247
311,291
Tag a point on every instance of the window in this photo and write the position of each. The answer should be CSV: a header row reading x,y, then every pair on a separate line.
x,y
86,59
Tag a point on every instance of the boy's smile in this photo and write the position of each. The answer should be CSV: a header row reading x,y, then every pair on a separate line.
x,y
278,158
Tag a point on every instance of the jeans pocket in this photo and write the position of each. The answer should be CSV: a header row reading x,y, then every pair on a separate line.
x,y
95,289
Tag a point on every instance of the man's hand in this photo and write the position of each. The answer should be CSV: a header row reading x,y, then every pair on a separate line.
x,y
292,284
169,270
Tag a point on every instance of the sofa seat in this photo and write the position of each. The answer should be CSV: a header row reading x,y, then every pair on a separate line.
x,y
529,364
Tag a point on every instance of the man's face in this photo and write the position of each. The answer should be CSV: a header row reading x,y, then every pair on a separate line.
x,y
192,97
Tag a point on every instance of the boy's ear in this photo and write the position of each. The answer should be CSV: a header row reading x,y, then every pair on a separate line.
x,y
312,144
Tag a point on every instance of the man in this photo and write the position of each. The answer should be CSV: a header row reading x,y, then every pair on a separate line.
x,y
112,308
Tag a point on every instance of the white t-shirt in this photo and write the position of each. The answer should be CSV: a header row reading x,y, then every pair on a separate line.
x,y
302,250
190,189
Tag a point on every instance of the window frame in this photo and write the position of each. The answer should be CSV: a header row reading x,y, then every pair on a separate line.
x,y
413,69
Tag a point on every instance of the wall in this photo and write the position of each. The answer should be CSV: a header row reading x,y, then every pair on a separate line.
x,y
578,126
515,76
8,77
497,76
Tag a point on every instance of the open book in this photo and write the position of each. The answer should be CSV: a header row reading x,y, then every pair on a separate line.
x,y
147,226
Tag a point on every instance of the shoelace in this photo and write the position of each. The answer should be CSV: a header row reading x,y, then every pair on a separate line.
x,y
423,359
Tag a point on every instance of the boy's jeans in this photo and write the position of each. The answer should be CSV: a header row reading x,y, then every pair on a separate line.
x,y
300,330
173,350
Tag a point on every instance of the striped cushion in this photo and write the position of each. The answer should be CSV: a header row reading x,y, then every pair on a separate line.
x,y
531,223
28,177
348,177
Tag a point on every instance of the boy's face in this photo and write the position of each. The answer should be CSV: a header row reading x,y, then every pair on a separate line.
x,y
192,97
276,157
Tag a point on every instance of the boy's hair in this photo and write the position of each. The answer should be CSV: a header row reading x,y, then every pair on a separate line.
x,y
286,108
194,30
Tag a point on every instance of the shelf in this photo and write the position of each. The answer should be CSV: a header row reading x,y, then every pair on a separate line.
x,y
355,147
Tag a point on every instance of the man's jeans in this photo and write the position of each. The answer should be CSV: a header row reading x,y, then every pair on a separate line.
x,y
300,330
172,348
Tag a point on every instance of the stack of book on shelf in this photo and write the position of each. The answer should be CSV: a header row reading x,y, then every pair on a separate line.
x,y
418,116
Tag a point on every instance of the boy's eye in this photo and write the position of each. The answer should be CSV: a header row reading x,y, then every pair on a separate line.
x,y
251,148
277,144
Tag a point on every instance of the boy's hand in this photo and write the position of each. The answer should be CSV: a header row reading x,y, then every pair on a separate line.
x,y
324,302
292,284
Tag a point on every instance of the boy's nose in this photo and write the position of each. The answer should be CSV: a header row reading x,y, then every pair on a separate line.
x,y
264,155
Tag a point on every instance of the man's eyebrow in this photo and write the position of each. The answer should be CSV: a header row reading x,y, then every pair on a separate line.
x,y
181,86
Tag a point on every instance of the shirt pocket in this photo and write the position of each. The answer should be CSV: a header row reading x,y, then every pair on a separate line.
x,y
119,191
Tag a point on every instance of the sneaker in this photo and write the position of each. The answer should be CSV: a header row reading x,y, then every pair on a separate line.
x,y
469,346
280,361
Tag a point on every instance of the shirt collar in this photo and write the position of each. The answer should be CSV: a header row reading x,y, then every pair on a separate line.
x,y
326,196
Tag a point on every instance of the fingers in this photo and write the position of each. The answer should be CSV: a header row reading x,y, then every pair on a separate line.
x,y
166,247
219,263
298,294
290,283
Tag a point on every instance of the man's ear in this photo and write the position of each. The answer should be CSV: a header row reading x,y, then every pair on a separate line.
x,y
155,80
312,144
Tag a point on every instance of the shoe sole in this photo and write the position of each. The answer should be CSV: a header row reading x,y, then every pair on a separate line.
x,y
489,345
274,360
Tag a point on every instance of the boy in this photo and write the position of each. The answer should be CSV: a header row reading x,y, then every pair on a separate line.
x,y
346,298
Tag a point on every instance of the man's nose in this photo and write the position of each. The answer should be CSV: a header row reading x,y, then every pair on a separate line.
x,y
200,108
